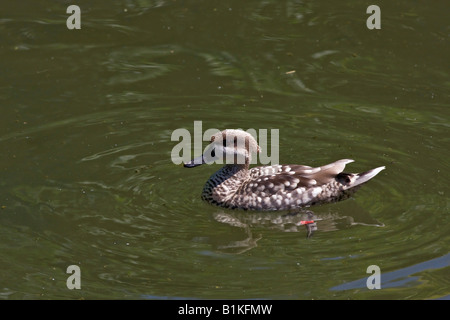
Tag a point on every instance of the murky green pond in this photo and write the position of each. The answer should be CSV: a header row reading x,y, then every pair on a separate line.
x,y
87,179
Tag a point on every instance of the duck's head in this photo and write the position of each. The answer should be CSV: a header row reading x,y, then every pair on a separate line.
x,y
230,146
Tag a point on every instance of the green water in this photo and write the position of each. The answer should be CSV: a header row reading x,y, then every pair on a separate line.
x,y
86,176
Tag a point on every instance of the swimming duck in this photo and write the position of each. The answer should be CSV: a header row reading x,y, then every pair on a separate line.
x,y
275,187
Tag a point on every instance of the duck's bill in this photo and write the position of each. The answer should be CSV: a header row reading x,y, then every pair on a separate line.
x,y
195,162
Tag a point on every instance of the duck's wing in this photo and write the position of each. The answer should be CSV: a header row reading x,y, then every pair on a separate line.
x,y
285,187
290,177
321,175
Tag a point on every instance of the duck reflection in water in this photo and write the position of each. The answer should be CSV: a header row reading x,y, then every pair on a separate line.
x,y
288,222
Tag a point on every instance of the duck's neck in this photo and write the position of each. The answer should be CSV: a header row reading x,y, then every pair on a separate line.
x,y
239,171
226,180
222,185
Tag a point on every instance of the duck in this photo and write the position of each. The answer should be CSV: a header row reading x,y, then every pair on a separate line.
x,y
271,187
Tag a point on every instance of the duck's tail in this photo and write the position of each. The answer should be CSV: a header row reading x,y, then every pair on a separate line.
x,y
366,176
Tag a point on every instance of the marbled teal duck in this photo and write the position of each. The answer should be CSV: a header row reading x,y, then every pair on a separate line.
x,y
276,187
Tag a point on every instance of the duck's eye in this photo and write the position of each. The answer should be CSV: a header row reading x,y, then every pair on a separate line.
x,y
213,153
